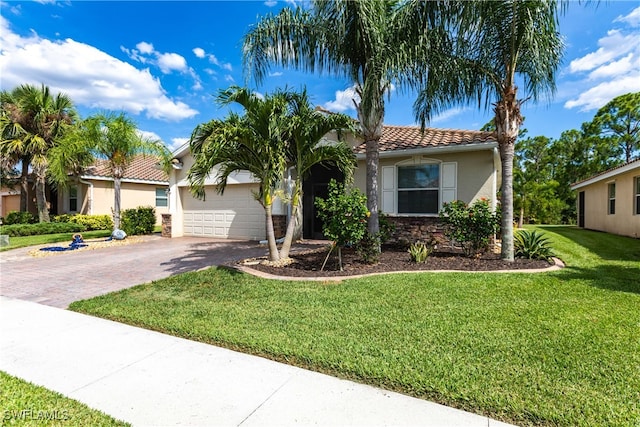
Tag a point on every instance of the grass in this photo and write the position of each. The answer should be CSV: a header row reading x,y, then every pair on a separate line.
x,y
26,404
558,348
24,241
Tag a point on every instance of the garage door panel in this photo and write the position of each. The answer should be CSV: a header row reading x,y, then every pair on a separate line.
x,y
236,214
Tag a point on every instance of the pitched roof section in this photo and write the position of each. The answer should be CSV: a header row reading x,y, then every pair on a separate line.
x,y
610,173
142,168
410,137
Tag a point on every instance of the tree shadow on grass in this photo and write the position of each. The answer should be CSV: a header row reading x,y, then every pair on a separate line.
x,y
607,276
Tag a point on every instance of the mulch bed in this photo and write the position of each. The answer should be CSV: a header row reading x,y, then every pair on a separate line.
x,y
391,259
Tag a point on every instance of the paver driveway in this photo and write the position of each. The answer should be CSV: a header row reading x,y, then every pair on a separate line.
x,y
62,278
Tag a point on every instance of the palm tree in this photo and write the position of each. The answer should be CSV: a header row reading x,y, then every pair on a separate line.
x,y
253,142
116,139
33,122
306,148
497,41
360,40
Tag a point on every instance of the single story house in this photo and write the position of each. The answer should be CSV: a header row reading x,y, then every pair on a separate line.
x,y
418,173
92,193
610,201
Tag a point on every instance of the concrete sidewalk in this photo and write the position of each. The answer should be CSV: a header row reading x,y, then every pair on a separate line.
x,y
148,378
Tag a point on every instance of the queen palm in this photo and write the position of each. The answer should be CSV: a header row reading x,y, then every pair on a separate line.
x,y
496,42
252,142
359,40
33,123
306,148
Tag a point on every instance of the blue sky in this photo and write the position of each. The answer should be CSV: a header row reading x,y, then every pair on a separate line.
x,y
162,62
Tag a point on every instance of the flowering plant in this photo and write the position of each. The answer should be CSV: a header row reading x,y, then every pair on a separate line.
x,y
472,226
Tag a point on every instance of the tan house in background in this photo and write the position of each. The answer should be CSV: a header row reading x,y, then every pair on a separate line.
x,y
610,201
418,173
143,184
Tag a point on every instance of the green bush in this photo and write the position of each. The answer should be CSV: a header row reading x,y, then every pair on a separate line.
x,y
470,226
141,220
15,217
420,251
91,222
386,227
532,245
15,230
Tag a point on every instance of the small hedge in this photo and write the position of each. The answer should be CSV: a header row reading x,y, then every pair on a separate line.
x,y
91,222
15,217
138,221
16,230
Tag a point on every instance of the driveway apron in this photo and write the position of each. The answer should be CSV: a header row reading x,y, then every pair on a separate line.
x,y
59,279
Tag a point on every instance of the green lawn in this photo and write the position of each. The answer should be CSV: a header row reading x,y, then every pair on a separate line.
x,y
23,241
558,348
26,404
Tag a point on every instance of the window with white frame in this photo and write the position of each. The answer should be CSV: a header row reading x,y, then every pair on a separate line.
x,y
162,200
73,198
611,190
418,186
637,194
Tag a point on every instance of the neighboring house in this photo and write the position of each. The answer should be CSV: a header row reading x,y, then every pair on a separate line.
x,y
9,200
143,184
610,201
417,174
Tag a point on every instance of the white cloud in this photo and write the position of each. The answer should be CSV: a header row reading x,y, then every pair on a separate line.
x,y
214,60
171,61
199,52
229,78
177,143
448,114
613,69
270,3
149,135
146,48
89,76
632,19
344,100
275,74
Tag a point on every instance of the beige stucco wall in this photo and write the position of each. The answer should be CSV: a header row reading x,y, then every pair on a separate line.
x,y
625,221
9,201
475,173
132,195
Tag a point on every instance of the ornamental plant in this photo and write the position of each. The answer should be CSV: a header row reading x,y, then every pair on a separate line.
x,y
344,216
471,226
532,245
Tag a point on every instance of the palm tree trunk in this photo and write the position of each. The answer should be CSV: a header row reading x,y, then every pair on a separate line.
x,y
373,157
271,235
116,201
41,196
24,186
291,226
507,121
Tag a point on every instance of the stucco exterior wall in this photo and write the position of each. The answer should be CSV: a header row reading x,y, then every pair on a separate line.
x,y
625,221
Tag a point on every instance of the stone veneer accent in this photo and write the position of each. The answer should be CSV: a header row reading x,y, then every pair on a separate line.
x,y
410,229
279,225
166,225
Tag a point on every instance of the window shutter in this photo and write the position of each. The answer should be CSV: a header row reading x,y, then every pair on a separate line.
x,y
449,182
388,189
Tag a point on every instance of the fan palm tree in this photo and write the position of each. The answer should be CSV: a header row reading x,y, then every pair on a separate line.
x,y
116,139
307,128
33,122
358,40
253,142
497,42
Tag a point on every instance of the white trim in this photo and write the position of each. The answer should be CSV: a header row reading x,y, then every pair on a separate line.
x,y
608,175
127,180
482,146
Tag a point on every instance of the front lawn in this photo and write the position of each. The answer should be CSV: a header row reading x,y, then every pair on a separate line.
x,y
26,404
558,348
43,239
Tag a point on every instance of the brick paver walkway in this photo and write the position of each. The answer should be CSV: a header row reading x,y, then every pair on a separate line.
x,y
62,278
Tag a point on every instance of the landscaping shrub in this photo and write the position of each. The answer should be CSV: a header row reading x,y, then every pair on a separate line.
x,y
532,245
15,230
141,220
470,226
91,222
344,216
420,251
386,227
15,217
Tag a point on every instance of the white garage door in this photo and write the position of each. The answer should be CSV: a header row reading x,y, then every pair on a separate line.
x,y
234,215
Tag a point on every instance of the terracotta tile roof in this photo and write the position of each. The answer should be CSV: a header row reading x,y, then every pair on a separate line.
x,y
410,137
142,168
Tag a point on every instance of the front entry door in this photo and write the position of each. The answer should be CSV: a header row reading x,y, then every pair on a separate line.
x,y
581,209
316,187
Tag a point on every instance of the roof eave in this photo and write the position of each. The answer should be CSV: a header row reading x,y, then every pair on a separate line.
x,y
480,146
607,175
127,180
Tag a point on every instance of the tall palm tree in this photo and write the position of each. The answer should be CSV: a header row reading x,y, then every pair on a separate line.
x,y
362,41
35,122
497,42
252,142
307,128
12,146
116,139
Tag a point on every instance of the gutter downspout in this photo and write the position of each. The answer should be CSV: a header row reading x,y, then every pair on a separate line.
x,y
90,184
